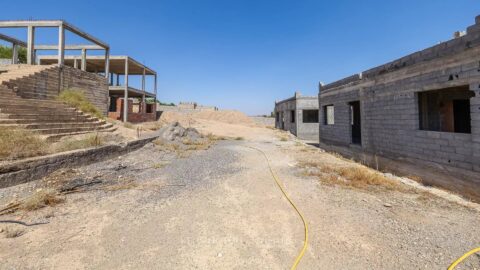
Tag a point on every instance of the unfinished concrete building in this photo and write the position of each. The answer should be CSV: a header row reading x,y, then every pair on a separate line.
x,y
299,115
418,115
141,101
28,92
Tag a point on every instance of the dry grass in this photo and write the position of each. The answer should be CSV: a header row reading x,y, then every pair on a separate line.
x,y
128,125
20,143
356,176
160,165
121,186
11,232
40,199
76,99
92,140
239,138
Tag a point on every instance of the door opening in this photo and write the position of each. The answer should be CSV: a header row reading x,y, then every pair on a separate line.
x,y
355,122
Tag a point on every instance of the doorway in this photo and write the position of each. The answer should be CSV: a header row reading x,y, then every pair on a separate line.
x,y
355,122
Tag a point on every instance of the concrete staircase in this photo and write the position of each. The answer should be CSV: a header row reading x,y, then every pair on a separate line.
x,y
38,110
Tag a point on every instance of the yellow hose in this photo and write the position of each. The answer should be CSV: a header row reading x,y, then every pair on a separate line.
x,y
466,255
280,185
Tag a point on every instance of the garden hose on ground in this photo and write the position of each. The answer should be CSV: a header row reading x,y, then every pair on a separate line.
x,y
466,255
280,185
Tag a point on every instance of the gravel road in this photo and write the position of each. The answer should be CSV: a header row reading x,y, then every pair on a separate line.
x,y
220,209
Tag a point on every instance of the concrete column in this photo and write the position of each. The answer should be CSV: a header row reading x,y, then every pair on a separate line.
x,y
84,60
75,63
118,80
144,106
111,78
14,53
125,98
155,87
30,45
107,63
61,45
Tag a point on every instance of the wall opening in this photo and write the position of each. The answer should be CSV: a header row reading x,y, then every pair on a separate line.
x,y
292,116
310,116
149,108
355,122
277,117
329,115
113,104
446,110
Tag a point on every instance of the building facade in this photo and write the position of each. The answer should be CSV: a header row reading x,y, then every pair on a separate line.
x,y
299,116
423,109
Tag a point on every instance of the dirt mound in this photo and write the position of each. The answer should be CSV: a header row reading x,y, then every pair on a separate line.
x,y
189,118
174,132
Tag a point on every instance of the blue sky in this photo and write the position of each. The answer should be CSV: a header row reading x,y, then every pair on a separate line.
x,y
245,54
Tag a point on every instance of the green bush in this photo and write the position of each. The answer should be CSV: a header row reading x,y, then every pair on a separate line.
x,y
6,52
77,99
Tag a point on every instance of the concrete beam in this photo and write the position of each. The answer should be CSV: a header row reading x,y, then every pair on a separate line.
x,y
13,40
77,47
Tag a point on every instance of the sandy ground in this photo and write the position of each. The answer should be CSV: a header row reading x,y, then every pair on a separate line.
x,y
220,209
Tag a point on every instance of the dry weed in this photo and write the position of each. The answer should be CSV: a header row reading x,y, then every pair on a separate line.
x,y
11,232
20,143
40,199
92,140
121,186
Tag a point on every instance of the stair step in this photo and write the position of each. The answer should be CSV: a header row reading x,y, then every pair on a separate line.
x,y
45,121
56,137
67,130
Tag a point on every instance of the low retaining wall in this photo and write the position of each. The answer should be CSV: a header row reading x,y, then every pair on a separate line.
x,y
31,169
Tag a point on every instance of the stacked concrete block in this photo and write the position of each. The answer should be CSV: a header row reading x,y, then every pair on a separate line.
x,y
297,105
389,102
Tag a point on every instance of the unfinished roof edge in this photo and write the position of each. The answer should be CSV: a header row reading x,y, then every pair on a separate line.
x,y
297,95
440,50
53,23
100,57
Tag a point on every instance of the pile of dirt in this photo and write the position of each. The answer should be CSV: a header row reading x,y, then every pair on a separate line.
x,y
190,118
175,138
175,132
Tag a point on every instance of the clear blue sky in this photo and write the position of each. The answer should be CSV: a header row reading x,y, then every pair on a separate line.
x,y
245,54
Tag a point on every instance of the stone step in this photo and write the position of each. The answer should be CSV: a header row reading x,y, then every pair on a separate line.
x,y
33,106
56,137
53,117
40,121
52,131
15,109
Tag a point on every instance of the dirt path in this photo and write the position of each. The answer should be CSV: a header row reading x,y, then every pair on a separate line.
x,y
220,209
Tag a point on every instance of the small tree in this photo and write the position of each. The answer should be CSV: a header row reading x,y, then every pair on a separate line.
x,y
7,53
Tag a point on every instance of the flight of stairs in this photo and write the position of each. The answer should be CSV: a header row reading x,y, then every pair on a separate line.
x,y
38,110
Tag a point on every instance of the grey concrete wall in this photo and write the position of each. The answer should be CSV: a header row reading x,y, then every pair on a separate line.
x,y
298,103
388,97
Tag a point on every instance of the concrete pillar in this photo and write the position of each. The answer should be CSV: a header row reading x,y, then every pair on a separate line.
x,y
75,63
111,78
144,107
155,87
107,63
125,98
118,80
84,60
14,53
30,45
61,45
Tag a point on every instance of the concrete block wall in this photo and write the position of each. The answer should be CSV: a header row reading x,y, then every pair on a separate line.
x,y
388,97
47,84
298,103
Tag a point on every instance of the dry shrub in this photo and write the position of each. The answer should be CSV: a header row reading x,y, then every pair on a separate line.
x,y
122,186
20,143
11,232
40,199
352,175
128,125
239,138
76,99
92,140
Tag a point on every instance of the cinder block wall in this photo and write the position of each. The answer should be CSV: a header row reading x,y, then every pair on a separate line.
x,y
284,108
48,83
388,97
306,131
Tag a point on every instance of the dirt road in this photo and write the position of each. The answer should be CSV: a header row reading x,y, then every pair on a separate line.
x,y
220,209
